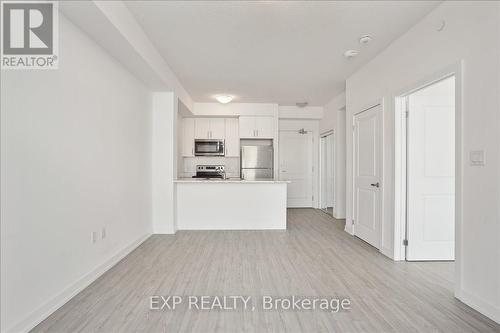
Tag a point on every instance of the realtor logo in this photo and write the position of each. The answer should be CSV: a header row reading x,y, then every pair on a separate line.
x,y
29,35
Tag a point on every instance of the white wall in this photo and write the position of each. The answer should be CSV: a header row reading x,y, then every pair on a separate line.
x,y
294,112
471,34
334,120
164,161
235,109
75,157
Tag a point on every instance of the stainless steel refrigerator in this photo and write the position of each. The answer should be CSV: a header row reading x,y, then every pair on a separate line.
x,y
256,162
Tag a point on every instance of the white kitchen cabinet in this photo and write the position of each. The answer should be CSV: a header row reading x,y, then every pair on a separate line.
x,y
232,142
247,127
264,127
217,128
257,127
188,137
209,128
202,128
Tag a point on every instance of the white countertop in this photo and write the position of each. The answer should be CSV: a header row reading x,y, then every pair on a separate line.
x,y
229,181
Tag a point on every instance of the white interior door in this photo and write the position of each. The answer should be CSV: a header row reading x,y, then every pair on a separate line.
x,y
368,175
431,173
296,158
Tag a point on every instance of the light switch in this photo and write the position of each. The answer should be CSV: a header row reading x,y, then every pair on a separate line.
x,y
476,158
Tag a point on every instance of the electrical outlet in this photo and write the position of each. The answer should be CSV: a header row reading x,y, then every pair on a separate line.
x,y
103,232
93,237
477,158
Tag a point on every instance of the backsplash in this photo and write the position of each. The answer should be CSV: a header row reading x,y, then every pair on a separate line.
x,y
232,165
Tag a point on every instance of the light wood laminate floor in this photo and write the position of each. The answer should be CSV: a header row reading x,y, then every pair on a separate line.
x,y
314,257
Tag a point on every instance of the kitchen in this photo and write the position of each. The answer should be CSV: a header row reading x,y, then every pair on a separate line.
x,y
227,169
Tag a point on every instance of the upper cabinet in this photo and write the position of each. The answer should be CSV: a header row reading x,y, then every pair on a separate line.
x,y
256,127
247,127
232,143
264,127
188,137
217,128
209,128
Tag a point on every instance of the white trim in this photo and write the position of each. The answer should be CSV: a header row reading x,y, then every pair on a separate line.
x,y
320,169
44,311
477,303
400,174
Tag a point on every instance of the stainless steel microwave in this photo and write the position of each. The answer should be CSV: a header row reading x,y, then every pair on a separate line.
x,y
209,147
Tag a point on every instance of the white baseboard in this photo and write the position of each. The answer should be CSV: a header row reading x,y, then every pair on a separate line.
x,y
37,316
348,228
480,305
387,252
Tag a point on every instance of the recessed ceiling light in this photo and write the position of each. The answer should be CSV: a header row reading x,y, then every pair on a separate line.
x,y
365,39
224,99
350,53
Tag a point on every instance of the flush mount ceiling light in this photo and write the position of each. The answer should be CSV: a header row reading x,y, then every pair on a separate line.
x,y
224,99
350,53
365,39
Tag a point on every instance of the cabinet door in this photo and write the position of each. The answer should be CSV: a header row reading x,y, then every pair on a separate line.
x,y
202,128
232,138
247,127
264,127
188,137
217,128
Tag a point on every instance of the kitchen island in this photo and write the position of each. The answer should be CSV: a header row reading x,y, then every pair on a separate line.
x,y
230,204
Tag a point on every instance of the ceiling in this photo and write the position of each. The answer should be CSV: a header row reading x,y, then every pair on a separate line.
x,y
271,51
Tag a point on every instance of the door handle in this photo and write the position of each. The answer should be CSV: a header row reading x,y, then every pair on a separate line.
x,y
377,184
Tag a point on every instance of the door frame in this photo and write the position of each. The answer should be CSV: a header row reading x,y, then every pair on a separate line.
x,y
379,103
400,167
320,168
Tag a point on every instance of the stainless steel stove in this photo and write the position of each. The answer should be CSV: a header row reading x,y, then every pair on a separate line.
x,y
210,171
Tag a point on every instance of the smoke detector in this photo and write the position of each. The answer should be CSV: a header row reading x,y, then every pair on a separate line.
x,y
365,39
301,104
350,53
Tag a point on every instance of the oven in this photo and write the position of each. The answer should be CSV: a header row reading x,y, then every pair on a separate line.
x,y
208,147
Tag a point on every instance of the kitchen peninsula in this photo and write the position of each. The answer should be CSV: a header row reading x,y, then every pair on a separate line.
x,y
231,204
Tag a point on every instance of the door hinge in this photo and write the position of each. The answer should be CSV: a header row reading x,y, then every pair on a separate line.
x,y
407,113
352,222
353,127
312,198
405,242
